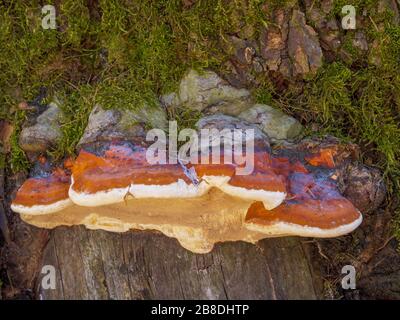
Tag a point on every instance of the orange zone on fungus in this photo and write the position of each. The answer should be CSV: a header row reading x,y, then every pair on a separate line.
x,y
120,167
310,201
322,158
44,190
324,214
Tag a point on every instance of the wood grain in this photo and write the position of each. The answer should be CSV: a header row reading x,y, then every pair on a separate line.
x,y
149,265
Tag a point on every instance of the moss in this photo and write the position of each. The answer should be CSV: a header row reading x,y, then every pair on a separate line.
x,y
359,104
31,58
348,46
357,99
17,159
76,105
146,47
124,93
75,20
123,54
359,5
329,98
360,100
263,94
149,42
185,117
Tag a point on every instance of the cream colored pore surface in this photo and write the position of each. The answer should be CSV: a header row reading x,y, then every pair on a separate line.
x,y
197,223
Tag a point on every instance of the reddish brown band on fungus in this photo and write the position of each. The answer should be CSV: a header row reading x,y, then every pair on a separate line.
x,y
93,173
262,177
223,165
159,174
202,170
280,165
100,179
284,167
119,168
312,197
269,173
226,166
260,180
311,201
44,190
322,158
323,214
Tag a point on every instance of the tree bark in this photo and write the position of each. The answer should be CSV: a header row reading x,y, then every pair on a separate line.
x,y
148,265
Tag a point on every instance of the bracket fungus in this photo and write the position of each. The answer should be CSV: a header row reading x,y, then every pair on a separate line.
x,y
291,191
44,194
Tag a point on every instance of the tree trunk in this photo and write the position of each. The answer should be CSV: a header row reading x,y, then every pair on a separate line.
x,y
148,265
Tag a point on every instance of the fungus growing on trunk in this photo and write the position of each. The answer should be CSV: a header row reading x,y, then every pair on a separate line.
x,y
43,195
314,208
114,188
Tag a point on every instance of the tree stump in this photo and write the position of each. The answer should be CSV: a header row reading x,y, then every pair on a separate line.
x,y
148,265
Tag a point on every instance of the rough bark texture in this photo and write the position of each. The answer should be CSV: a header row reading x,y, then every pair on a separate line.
x,y
147,265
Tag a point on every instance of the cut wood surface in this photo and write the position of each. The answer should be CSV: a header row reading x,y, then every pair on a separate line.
x,y
148,265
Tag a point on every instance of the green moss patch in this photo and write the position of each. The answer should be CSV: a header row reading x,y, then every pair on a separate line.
x,y
123,54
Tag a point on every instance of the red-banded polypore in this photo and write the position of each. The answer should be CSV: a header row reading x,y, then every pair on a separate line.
x,y
289,192
44,194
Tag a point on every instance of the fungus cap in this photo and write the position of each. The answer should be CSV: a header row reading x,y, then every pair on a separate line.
x,y
43,195
309,218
